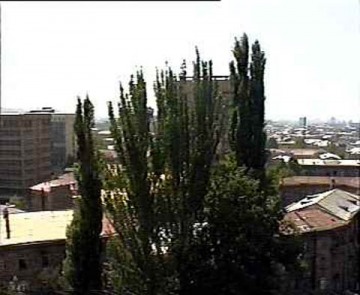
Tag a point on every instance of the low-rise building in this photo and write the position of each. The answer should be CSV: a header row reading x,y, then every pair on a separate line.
x,y
31,253
318,167
293,189
329,225
56,194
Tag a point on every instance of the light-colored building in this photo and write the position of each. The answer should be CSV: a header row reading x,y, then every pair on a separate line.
x,y
35,248
25,157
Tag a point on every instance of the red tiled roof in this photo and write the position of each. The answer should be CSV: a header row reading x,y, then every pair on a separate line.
x,y
107,227
65,179
313,219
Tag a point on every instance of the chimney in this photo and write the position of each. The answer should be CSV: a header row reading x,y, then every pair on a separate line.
x,y
42,199
332,184
7,222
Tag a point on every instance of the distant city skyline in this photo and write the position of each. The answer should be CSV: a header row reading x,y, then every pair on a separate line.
x,y
52,51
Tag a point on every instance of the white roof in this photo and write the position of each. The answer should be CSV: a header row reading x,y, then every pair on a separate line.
x,y
306,202
354,151
104,132
31,227
329,156
320,162
285,158
339,203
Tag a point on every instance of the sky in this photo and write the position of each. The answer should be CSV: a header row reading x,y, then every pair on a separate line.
x,y
53,52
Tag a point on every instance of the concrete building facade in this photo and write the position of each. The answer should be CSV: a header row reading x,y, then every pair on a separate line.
x,y
63,147
24,151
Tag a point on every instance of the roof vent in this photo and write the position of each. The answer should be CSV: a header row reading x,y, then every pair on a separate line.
x,y
344,208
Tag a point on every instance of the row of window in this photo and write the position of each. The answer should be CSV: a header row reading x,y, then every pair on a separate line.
x,y
23,263
25,123
9,153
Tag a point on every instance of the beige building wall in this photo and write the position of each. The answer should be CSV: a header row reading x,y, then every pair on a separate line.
x,y
24,151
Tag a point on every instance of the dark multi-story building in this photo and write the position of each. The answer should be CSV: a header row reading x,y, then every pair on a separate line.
x,y
24,151
62,138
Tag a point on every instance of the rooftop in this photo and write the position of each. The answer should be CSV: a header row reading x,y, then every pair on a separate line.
x,y
11,210
65,179
321,180
339,203
304,152
319,162
313,220
323,211
41,226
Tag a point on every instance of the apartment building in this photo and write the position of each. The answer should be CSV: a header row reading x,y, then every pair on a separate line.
x,y
63,147
24,151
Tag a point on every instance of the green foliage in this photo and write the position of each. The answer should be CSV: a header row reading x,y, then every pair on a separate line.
x,y
19,203
242,250
183,227
300,143
159,188
247,134
82,266
272,143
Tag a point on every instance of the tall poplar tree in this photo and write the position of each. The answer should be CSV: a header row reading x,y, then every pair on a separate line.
x,y
83,249
163,177
248,138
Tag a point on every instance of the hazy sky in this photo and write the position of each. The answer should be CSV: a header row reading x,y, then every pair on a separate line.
x,y
54,51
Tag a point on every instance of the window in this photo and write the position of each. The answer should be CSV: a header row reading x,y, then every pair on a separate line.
x,y
44,259
22,264
2,264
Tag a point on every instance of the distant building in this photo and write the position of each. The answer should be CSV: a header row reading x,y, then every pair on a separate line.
x,y
305,153
63,147
25,157
56,194
303,122
225,90
318,167
293,189
329,225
